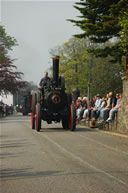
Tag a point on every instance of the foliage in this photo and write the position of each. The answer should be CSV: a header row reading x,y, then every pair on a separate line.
x,y
123,21
100,22
5,40
81,68
106,77
10,79
73,63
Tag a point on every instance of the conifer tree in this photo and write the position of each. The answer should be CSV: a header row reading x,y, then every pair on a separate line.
x,y
100,22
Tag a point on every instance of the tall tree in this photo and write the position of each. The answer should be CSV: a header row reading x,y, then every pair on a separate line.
x,y
123,21
100,22
10,78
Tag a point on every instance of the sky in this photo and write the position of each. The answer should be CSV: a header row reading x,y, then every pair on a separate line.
x,y
38,26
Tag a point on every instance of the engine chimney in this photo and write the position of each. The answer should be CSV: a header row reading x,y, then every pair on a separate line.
x,y
55,69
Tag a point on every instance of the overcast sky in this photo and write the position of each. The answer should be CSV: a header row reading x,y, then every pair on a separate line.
x,y
38,26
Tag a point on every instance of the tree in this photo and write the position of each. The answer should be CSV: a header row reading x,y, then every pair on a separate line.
x,y
100,22
81,68
123,21
106,77
10,78
73,63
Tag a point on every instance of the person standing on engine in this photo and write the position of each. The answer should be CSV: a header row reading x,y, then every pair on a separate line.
x,y
44,80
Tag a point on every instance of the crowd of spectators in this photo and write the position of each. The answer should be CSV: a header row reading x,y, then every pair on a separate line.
x,y
99,108
5,109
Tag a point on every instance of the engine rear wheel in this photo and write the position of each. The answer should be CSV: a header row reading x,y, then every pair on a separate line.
x,y
72,118
65,123
33,106
38,117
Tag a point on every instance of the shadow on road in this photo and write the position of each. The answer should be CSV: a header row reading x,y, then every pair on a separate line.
x,y
10,155
53,129
15,143
85,129
57,129
13,174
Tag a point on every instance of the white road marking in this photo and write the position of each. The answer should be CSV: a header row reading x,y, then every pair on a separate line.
x,y
82,161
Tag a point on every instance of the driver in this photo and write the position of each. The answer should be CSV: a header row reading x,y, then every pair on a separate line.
x,y
44,80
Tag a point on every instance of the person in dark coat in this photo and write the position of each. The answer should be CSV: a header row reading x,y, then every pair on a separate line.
x,y
44,80
75,95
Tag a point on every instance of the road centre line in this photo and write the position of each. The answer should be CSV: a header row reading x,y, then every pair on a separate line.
x,y
82,161
99,143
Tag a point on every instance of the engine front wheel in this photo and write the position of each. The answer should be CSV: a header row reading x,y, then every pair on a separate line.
x,y
38,117
65,123
38,97
72,118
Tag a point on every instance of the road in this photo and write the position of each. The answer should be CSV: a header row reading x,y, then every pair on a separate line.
x,y
59,161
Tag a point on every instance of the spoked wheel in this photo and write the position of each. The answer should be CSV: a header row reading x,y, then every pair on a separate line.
x,y
38,97
38,117
33,106
72,119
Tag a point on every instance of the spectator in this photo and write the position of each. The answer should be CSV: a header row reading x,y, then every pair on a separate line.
x,y
102,106
75,95
1,108
11,109
115,109
111,102
83,107
96,106
78,102
78,106
5,109
87,112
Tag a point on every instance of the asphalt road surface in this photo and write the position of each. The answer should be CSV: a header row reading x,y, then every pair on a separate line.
x,y
58,161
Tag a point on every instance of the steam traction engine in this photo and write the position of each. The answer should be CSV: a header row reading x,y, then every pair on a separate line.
x,y
52,103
